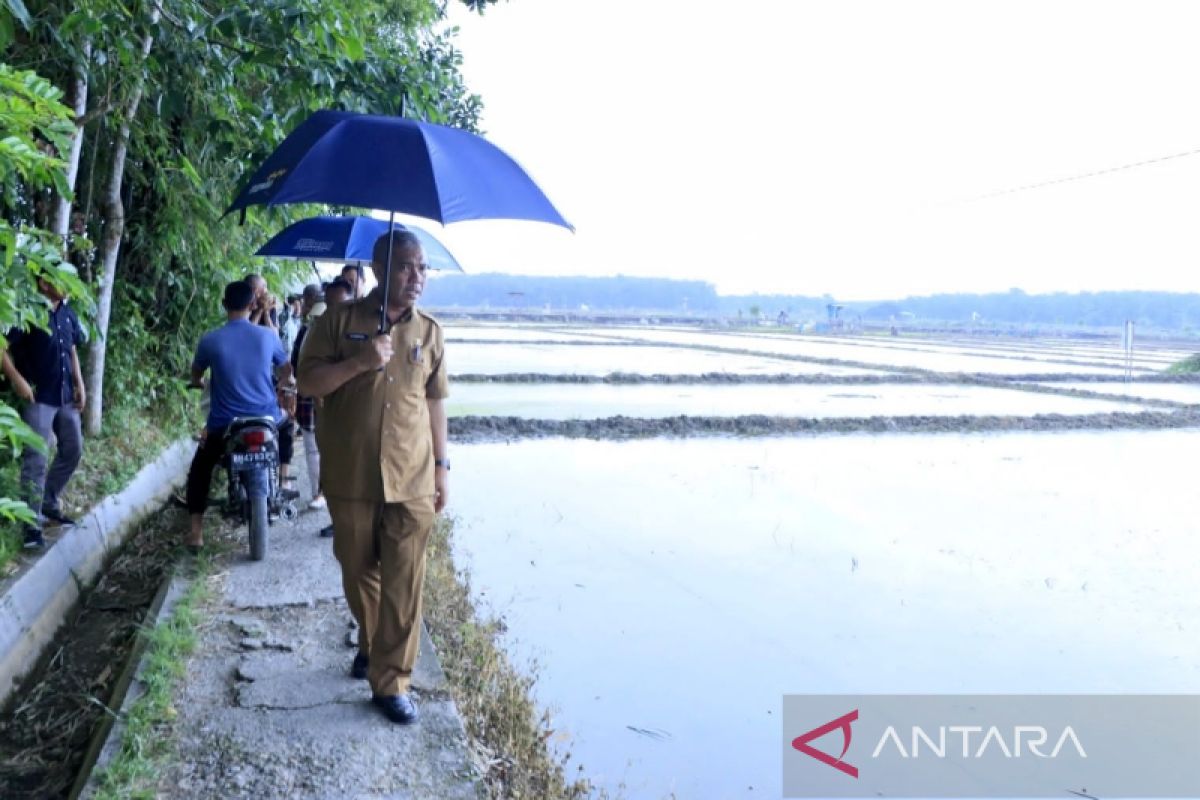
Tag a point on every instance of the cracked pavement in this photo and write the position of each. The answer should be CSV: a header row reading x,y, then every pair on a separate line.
x,y
268,708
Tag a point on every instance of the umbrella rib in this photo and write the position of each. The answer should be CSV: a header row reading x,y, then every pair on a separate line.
x,y
437,190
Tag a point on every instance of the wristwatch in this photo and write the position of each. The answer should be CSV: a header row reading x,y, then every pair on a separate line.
x,y
442,462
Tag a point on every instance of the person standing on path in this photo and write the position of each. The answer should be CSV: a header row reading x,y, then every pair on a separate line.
x,y
264,313
306,407
352,274
262,308
337,291
293,320
43,368
385,471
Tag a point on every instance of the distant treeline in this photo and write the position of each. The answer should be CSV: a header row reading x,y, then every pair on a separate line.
x,y
1165,310
1174,311
620,293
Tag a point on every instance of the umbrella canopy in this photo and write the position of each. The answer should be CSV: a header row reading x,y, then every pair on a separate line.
x,y
396,164
348,239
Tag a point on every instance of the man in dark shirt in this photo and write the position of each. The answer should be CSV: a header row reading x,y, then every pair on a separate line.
x,y
43,367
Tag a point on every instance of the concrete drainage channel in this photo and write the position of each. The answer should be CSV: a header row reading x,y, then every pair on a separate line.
x,y
106,740
69,622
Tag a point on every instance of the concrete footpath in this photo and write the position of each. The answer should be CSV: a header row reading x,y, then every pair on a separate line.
x,y
269,710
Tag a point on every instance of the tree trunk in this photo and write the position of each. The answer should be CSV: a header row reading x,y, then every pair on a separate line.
x,y
62,213
110,247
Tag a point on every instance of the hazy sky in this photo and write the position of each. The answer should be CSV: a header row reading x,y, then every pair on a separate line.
x,y
841,146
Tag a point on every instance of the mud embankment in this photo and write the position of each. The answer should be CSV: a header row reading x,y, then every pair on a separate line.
x,y
712,378
477,429
912,376
1020,383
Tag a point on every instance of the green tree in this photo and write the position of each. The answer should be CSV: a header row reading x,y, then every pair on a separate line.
x,y
182,101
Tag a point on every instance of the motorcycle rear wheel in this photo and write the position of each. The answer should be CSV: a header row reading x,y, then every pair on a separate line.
x,y
258,528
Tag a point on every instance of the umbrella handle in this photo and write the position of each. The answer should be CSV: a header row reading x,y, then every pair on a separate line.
x,y
387,273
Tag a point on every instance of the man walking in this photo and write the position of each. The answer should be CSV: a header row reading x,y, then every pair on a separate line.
x,y
306,407
43,367
337,291
382,433
240,355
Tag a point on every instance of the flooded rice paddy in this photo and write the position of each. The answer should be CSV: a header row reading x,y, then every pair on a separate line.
x,y
499,333
1149,356
592,401
868,350
603,359
672,589
1188,393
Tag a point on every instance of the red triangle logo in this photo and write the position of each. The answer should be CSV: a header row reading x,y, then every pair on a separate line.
x,y
801,743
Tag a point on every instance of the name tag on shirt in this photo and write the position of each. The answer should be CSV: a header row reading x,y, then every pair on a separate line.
x,y
357,337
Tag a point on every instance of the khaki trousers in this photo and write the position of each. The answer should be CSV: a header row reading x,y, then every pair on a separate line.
x,y
381,547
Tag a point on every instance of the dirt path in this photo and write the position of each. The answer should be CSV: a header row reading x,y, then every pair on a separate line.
x,y
270,711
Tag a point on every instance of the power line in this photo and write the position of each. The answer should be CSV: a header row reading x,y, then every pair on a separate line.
x,y
1096,173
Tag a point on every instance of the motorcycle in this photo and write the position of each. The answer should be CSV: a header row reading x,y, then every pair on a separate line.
x,y
251,462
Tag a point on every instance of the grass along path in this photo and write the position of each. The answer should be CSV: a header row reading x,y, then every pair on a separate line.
x,y
110,461
507,732
145,747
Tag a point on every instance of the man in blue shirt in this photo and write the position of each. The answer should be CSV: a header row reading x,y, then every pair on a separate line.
x,y
241,356
43,367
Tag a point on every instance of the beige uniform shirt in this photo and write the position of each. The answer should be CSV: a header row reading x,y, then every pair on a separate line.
x,y
373,431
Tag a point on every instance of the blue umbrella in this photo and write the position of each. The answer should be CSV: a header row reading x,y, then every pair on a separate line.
x,y
398,165
350,240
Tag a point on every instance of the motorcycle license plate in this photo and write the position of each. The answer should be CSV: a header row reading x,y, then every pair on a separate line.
x,y
238,460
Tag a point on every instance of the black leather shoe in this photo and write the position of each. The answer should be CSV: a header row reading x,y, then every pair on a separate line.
x,y
54,515
399,708
33,538
358,670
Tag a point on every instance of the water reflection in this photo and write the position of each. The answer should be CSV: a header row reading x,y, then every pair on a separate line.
x,y
870,353
673,590
1040,349
497,359
594,401
1177,392
526,333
